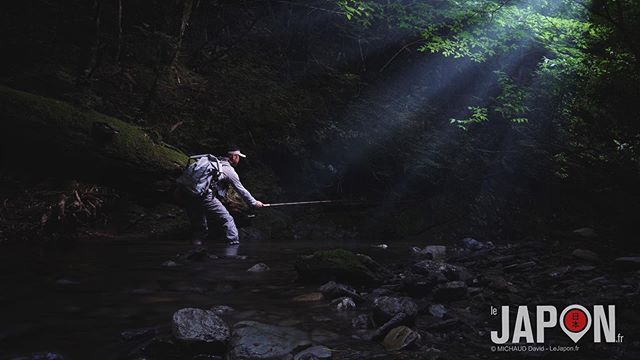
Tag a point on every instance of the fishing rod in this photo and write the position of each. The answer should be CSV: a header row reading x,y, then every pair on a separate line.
x,y
301,203
343,202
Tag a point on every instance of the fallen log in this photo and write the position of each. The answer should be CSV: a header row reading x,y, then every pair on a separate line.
x,y
50,137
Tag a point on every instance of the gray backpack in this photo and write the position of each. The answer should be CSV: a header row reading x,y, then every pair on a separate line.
x,y
198,176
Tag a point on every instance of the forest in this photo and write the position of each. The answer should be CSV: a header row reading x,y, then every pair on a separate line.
x,y
458,156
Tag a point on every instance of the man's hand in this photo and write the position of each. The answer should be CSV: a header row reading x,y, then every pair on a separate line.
x,y
258,204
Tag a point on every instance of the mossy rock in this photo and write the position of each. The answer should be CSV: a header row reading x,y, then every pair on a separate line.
x,y
60,139
338,265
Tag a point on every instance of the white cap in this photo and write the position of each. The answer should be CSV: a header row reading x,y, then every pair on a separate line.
x,y
237,152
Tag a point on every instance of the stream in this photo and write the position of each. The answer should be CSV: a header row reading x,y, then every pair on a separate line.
x,y
78,302
110,299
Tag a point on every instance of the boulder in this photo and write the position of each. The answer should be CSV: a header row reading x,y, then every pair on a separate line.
x,y
255,340
386,307
202,329
339,265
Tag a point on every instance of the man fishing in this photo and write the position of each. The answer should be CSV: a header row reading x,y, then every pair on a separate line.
x,y
208,203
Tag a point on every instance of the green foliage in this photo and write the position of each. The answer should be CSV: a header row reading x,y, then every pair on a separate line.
x,y
478,115
512,99
359,10
586,76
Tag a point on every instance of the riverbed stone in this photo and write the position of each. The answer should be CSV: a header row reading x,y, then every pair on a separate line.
x,y
39,356
434,252
628,262
451,291
386,307
362,321
338,265
586,255
586,232
344,304
439,268
200,326
255,340
323,336
473,244
397,320
332,290
222,309
437,310
419,286
399,338
138,333
309,297
259,268
313,353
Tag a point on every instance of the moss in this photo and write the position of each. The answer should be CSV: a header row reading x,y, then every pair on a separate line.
x,y
337,264
341,258
49,126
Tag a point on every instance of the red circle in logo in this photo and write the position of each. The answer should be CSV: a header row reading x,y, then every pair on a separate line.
x,y
575,320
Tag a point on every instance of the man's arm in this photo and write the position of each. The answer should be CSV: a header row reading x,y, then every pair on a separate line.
x,y
234,179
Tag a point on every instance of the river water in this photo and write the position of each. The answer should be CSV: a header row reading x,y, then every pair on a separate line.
x,y
78,301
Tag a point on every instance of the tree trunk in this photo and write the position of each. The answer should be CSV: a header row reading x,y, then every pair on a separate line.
x,y
51,137
95,44
119,30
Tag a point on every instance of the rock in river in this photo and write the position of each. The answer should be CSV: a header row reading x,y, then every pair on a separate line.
x,y
434,252
628,262
313,353
344,304
39,356
340,265
386,307
334,290
254,340
399,338
451,291
309,297
451,272
200,326
259,268
586,255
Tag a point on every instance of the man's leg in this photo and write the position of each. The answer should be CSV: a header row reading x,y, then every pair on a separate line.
x,y
198,220
215,208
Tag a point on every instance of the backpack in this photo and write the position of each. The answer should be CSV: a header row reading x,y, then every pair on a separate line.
x,y
198,176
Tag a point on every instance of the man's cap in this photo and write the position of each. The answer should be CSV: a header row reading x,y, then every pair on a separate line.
x,y
234,150
237,152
